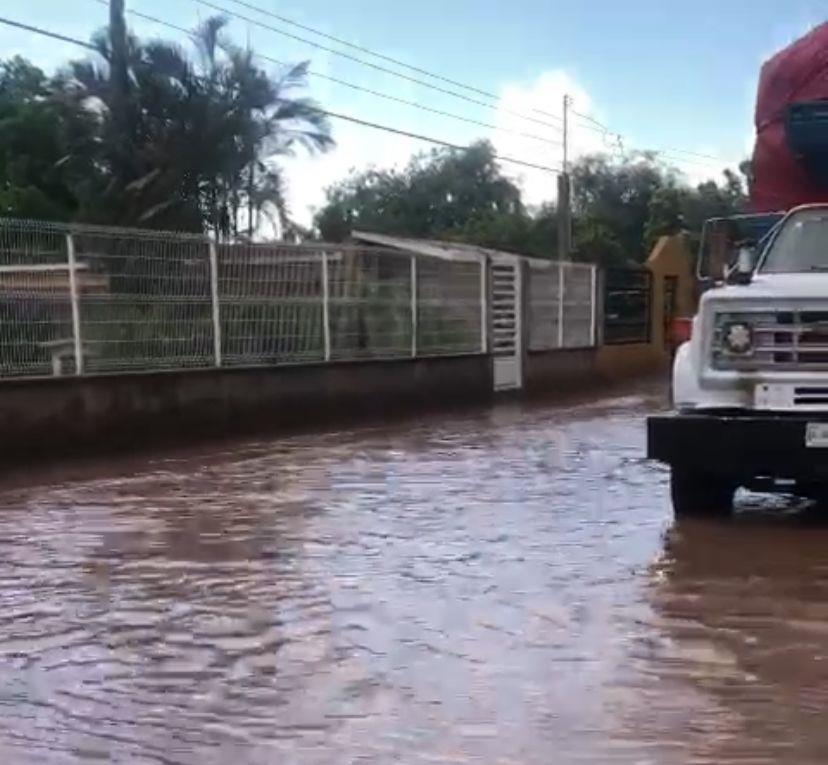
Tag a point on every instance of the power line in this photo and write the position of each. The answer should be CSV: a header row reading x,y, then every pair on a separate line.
x,y
47,33
335,115
349,118
684,161
664,154
438,141
375,54
423,107
372,65
596,125
360,88
709,157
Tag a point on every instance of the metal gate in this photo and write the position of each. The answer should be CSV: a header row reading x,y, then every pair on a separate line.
x,y
627,305
507,342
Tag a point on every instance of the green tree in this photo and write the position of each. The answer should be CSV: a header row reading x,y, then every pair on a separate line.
x,y
191,141
621,208
438,192
595,241
709,200
521,232
45,146
666,213
611,201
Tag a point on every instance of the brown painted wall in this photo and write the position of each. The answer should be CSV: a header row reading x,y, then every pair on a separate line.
x,y
618,362
547,373
67,415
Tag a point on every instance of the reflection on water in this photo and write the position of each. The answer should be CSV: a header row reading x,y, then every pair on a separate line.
x,y
500,588
744,610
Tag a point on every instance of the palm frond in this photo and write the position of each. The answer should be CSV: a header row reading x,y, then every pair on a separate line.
x,y
167,60
197,135
207,36
295,77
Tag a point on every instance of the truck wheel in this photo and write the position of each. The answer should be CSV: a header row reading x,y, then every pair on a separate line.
x,y
701,494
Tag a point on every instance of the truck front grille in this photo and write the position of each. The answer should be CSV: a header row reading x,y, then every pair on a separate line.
x,y
789,340
810,396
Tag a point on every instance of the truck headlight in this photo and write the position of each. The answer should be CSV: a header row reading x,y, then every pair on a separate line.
x,y
737,337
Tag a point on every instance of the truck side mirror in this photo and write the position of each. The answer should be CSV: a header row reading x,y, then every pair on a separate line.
x,y
742,270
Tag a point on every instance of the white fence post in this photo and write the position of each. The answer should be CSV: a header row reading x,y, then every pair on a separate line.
x,y
214,297
326,318
593,318
484,307
74,297
561,294
414,308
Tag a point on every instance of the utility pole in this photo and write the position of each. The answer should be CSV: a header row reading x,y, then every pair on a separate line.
x,y
565,133
564,203
118,48
119,75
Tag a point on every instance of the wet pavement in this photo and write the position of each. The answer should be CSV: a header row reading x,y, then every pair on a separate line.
x,y
500,587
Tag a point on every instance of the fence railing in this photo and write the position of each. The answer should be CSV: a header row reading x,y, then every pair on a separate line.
x,y
87,300
563,305
627,305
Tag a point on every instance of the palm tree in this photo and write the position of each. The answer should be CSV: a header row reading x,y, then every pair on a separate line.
x,y
193,142
260,118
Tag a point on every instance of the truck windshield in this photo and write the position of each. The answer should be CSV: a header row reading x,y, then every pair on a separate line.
x,y
801,244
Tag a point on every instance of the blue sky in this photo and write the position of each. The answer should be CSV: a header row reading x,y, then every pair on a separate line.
x,y
663,74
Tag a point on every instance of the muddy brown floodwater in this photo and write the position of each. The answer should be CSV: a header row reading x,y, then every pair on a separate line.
x,y
500,587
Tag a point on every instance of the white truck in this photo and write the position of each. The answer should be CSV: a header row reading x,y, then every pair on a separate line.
x,y
750,387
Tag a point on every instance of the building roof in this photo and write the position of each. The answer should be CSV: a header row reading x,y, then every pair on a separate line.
x,y
446,250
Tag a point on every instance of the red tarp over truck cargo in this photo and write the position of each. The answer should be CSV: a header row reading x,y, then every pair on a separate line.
x,y
799,73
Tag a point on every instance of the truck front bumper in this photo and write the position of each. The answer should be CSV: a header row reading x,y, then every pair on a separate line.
x,y
739,444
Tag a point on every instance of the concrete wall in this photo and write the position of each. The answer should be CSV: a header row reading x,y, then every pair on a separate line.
x,y
620,362
547,373
71,415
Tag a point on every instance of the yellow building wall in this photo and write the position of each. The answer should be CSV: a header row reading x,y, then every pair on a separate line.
x,y
671,258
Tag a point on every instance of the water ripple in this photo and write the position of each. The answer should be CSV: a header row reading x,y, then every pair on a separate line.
x,y
503,588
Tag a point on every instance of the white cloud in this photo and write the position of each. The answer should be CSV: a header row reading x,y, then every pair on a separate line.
x,y
543,94
357,148
696,170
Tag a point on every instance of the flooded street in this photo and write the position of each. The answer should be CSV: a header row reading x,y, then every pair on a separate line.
x,y
500,587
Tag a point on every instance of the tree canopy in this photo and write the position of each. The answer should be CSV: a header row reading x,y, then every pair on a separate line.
x,y
437,192
147,133
620,207
45,146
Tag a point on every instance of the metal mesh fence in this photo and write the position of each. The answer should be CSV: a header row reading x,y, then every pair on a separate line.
x,y
449,306
35,303
86,299
270,304
370,304
148,305
544,308
578,297
562,309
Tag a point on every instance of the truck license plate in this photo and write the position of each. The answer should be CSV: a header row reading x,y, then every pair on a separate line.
x,y
816,435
